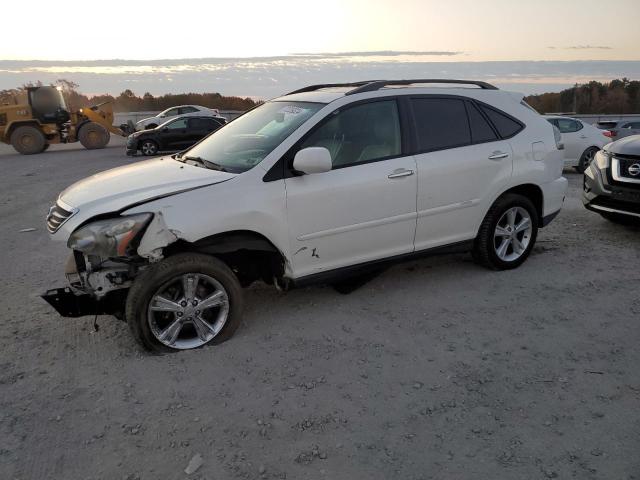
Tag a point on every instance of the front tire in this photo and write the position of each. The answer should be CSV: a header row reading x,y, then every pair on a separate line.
x,y
28,140
149,148
183,302
507,234
93,136
586,158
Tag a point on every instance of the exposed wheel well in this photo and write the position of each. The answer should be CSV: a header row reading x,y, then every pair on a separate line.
x,y
533,193
14,125
249,254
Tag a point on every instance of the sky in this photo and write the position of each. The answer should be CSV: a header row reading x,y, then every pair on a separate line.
x,y
248,46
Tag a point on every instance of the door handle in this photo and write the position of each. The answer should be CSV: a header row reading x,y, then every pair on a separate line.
x,y
498,156
400,173
583,136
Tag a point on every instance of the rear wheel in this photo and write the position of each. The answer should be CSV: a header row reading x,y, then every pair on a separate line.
x,y
507,234
586,158
93,136
28,140
184,302
149,147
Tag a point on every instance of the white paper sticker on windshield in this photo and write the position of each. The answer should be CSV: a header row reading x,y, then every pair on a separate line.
x,y
291,110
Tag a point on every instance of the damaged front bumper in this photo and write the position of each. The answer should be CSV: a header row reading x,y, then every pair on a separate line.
x,y
68,304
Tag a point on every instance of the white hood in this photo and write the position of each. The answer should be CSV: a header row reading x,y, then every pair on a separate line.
x,y
113,190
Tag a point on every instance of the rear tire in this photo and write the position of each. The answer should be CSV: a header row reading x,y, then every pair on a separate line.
x,y
93,136
148,324
28,140
503,242
586,158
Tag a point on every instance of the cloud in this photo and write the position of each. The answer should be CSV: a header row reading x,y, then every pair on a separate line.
x,y
380,53
583,47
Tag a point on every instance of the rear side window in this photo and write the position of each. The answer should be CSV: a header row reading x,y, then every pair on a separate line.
x,y
566,125
440,123
506,126
481,131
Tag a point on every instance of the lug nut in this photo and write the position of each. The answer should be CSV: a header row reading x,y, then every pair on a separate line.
x,y
197,312
180,314
183,303
194,303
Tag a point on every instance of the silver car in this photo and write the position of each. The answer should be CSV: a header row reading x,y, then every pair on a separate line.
x,y
620,129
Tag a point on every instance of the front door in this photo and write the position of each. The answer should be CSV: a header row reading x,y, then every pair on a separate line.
x,y
173,136
364,209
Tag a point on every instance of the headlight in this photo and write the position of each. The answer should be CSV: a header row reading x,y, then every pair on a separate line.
x,y
602,160
109,238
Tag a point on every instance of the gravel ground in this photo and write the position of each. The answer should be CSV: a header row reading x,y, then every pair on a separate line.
x,y
436,369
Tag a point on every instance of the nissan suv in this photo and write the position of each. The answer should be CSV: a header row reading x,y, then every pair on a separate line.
x,y
325,184
612,181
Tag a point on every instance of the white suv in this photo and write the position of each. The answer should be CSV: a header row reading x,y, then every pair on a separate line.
x,y
325,184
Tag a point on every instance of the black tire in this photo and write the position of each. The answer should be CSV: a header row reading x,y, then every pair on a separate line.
x,y
28,140
153,277
93,136
484,250
586,158
620,219
149,148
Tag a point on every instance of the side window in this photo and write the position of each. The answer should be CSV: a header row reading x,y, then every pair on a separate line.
x,y
178,124
184,110
566,125
440,123
198,123
506,126
363,133
171,112
481,131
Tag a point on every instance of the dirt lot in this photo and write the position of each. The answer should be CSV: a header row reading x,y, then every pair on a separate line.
x,y
436,369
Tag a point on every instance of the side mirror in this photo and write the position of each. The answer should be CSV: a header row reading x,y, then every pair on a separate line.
x,y
312,160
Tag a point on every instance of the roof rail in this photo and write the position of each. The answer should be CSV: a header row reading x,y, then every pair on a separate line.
x,y
373,85
312,88
378,84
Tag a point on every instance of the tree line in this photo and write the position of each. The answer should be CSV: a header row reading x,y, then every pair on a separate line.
x,y
615,97
128,101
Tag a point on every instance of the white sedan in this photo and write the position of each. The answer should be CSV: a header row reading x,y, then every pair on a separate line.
x,y
182,110
581,140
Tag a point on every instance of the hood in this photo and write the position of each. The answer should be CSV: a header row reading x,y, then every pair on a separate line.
x,y
113,190
625,146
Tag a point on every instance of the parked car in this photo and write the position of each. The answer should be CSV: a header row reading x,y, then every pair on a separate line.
x,y
326,184
612,181
619,129
174,135
581,140
181,110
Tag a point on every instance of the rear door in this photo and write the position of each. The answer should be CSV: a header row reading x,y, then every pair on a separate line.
x,y
462,163
364,208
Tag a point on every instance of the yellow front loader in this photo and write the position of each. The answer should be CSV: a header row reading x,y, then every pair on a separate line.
x,y
34,123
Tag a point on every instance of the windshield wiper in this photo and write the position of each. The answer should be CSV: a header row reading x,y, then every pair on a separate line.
x,y
207,163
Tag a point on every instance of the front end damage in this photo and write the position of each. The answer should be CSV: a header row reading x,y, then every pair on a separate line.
x,y
107,256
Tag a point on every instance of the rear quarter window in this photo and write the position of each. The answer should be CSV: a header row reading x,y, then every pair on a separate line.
x,y
505,125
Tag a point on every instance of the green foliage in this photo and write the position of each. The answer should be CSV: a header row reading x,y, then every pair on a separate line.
x,y
615,97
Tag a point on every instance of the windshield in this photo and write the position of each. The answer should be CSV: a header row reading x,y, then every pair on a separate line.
x,y
245,142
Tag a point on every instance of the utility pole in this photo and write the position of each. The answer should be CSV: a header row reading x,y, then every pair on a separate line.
x,y
575,98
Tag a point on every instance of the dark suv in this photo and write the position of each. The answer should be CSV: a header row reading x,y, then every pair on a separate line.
x,y
174,135
612,181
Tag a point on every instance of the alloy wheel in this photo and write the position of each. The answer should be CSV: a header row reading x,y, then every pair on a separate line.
x,y
188,311
512,234
149,148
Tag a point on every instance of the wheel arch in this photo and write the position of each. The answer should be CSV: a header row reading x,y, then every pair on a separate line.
x,y
251,255
21,123
530,190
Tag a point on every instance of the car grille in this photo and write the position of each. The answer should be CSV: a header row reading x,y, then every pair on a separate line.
x,y
57,216
625,170
626,164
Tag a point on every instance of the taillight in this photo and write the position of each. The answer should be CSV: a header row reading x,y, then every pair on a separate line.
x,y
609,133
